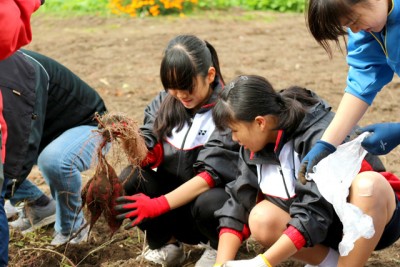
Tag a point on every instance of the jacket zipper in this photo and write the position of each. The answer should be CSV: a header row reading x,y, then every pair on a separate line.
x,y
283,179
183,145
282,176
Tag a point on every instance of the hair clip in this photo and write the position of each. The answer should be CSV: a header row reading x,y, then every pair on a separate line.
x,y
230,86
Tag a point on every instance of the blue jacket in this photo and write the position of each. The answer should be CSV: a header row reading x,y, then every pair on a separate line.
x,y
373,58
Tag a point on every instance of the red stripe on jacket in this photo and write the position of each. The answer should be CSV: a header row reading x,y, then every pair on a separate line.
x,y
4,133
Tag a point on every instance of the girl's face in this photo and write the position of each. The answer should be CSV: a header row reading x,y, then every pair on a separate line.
x,y
370,16
199,95
255,135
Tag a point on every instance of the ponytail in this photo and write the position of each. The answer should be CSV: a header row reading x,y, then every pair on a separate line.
x,y
295,102
250,96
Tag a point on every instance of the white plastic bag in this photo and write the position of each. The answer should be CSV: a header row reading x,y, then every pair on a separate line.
x,y
333,176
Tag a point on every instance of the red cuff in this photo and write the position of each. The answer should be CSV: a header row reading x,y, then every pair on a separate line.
x,y
207,177
246,231
231,231
154,157
296,237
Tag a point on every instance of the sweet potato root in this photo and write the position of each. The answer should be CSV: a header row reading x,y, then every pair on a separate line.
x,y
116,191
123,130
100,193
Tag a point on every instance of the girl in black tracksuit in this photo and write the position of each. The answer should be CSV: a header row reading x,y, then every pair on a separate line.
x,y
193,160
276,130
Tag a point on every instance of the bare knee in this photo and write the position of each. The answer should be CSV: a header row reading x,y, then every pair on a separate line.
x,y
363,185
370,184
267,222
373,194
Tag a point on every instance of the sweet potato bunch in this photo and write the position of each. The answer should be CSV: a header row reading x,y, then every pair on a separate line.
x,y
101,191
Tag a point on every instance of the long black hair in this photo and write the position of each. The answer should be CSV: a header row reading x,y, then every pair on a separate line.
x,y
247,97
324,20
185,57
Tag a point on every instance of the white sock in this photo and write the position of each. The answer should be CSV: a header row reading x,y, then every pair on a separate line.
x,y
331,259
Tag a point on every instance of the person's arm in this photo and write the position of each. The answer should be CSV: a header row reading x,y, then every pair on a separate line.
x,y
368,74
351,109
228,245
219,158
385,137
15,28
140,206
311,218
283,249
187,192
233,215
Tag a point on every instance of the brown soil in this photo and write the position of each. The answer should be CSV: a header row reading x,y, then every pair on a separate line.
x,y
120,57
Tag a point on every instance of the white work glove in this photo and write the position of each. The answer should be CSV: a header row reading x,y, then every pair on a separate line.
x,y
259,261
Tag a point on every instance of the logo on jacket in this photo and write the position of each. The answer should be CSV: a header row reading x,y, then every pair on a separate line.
x,y
202,132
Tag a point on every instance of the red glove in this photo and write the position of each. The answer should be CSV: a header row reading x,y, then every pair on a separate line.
x,y
140,206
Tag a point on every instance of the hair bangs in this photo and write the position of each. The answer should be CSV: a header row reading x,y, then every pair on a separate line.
x,y
324,20
177,71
